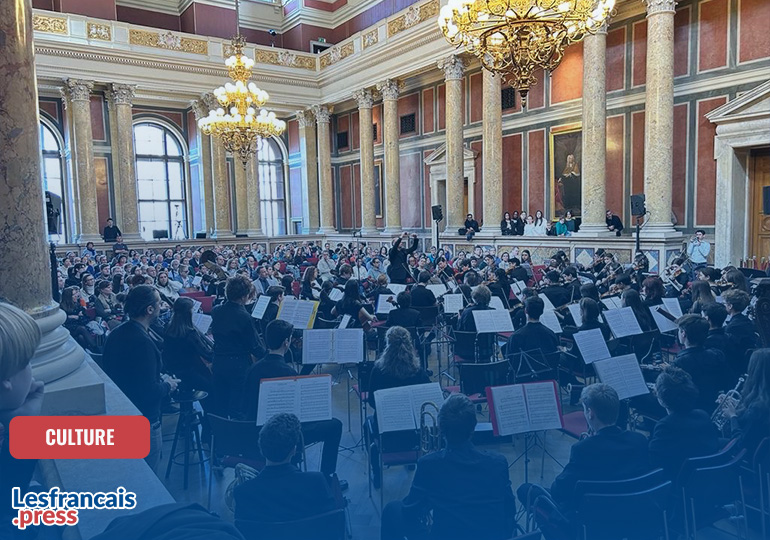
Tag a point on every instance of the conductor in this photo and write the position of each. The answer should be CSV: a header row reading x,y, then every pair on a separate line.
x,y
398,271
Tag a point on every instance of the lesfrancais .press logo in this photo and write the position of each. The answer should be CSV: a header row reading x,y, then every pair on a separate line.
x,y
56,507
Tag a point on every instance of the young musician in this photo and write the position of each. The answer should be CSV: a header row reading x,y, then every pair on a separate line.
x,y
552,289
421,295
739,329
533,336
698,249
750,419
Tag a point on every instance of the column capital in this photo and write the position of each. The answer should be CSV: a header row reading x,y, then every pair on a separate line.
x,y
305,118
389,88
660,6
79,90
210,101
199,109
322,113
453,67
364,97
121,94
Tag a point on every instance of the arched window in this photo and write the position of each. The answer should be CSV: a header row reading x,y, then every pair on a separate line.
x,y
160,181
272,187
53,169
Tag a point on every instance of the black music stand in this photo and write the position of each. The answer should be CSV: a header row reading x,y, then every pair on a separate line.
x,y
529,366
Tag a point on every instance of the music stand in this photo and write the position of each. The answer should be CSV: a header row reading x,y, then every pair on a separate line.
x,y
529,366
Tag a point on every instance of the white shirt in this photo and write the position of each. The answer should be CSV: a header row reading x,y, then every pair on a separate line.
x,y
699,252
530,230
539,229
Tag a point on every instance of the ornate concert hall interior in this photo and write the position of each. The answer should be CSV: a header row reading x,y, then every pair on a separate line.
x,y
533,235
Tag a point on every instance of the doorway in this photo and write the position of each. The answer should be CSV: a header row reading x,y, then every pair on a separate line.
x,y
759,223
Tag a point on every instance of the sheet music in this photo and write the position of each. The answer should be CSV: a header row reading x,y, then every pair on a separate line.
x,y
197,281
394,409
345,321
623,374
664,324
550,320
304,314
574,310
383,306
348,345
510,409
542,406
437,289
592,345
286,309
397,288
196,306
547,302
424,393
613,302
335,295
496,303
489,321
518,287
453,303
315,398
202,322
452,285
310,398
317,346
260,306
673,306
275,397
623,322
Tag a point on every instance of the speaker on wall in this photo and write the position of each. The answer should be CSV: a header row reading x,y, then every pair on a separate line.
x,y
766,200
438,215
637,205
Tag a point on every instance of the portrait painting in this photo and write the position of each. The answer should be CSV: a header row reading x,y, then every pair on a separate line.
x,y
378,202
566,178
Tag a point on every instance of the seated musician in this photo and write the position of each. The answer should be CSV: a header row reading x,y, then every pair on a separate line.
x,y
421,295
404,314
345,274
467,490
281,492
443,270
481,297
589,312
750,419
276,294
621,283
716,314
555,292
352,304
652,291
326,304
685,431
380,288
740,329
609,453
707,367
589,290
519,317
470,280
278,338
516,271
499,286
631,298
533,335
571,283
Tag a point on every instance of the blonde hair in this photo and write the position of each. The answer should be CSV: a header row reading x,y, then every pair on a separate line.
x,y
19,338
399,357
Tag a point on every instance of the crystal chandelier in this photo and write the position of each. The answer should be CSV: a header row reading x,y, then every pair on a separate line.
x,y
514,37
236,121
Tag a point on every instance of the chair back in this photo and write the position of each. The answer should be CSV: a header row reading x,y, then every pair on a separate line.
x,y
428,315
207,303
631,485
474,347
474,378
701,462
235,438
327,526
324,323
364,374
193,294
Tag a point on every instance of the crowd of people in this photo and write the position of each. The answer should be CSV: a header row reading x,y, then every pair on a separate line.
x,y
523,224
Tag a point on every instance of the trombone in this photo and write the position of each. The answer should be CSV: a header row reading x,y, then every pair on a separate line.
x,y
430,437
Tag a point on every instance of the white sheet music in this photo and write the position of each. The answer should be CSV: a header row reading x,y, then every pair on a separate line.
x,y
315,398
335,295
574,310
453,303
300,313
613,302
520,408
398,408
623,322
518,287
437,289
197,281
196,306
397,288
201,321
547,302
310,398
260,306
592,345
275,397
489,321
383,306
345,321
496,303
542,406
673,306
425,393
550,320
333,346
510,409
348,345
664,324
623,374
452,284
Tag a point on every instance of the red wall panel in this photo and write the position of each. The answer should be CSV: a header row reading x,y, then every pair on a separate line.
x,y
753,36
355,136
706,167
411,199
567,79
192,132
43,4
428,116
679,176
615,164
100,9
616,59
292,130
343,124
49,107
441,107
512,172
346,197
477,98
145,17
637,152
97,118
187,20
639,44
712,29
682,41
377,120
261,37
536,96
536,171
409,104
214,21
478,183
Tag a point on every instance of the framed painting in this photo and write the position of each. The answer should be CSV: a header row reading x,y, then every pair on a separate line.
x,y
378,196
566,147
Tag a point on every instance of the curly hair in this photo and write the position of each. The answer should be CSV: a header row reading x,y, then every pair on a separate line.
x,y
399,357
280,435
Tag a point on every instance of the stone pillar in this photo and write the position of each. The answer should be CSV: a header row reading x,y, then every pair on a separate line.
x,y
594,150
309,157
22,218
453,68
366,137
252,197
121,97
222,210
326,195
241,197
659,117
392,178
492,151
79,94
201,109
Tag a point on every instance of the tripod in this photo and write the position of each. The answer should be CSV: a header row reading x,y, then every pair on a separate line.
x,y
178,228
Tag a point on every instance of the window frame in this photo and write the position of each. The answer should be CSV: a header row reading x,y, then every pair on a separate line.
x,y
280,163
59,154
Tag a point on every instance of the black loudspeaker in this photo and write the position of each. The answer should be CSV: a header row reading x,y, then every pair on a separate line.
x,y
159,234
766,200
438,215
637,205
53,212
200,235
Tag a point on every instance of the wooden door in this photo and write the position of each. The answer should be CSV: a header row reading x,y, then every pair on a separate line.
x,y
759,177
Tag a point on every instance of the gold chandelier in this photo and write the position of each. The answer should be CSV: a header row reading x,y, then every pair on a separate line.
x,y
236,121
514,37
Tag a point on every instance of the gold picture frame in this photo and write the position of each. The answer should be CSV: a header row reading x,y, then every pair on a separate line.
x,y
565,179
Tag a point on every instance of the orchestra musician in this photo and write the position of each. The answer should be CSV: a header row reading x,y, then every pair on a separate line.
x,y
422,296
398,255
557,294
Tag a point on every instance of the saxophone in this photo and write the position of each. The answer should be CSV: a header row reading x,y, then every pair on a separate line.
x,y
430,438
719,417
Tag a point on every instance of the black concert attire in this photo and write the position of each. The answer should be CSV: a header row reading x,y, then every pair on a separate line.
x,y
375,293
397,271
519,230
327,431
751,425
235,342
742,335
306,292
111,233
182,356
471,224
591,325
508,227
270,314
468,490
558,295
709,371
537,340
465,346
353,309
466,322
615,222
283,493
501,290
422,296
408,318
682,435
717,339
325,306
518,274
573,290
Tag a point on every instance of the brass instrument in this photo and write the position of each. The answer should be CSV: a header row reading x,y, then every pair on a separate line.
x,y
719,417
430,438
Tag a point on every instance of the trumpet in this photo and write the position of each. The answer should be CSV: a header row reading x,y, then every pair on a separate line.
x,y
430,438
719,417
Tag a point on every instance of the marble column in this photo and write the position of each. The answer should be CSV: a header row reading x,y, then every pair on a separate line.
x,y
241,197
453,67
201,109
309,159
594,150
326,193
392,178
492,152
252,196
366,138
222,209
659,117
25,274
121,98
79,97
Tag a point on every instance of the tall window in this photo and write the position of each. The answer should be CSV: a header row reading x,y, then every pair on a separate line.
x,y
271,187
160,182
53,177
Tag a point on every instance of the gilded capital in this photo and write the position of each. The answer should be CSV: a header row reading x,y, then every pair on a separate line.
x,y
121,94
210,101
389,88
199,109
322,113
453,67
660,6
365,98
305,118
79,90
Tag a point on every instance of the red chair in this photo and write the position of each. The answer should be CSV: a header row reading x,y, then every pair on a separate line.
x,y
90,313
193,294
207,303
296,288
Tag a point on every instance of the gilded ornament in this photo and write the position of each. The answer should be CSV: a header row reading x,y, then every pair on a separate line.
x,y
49,25
102,32
414,15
